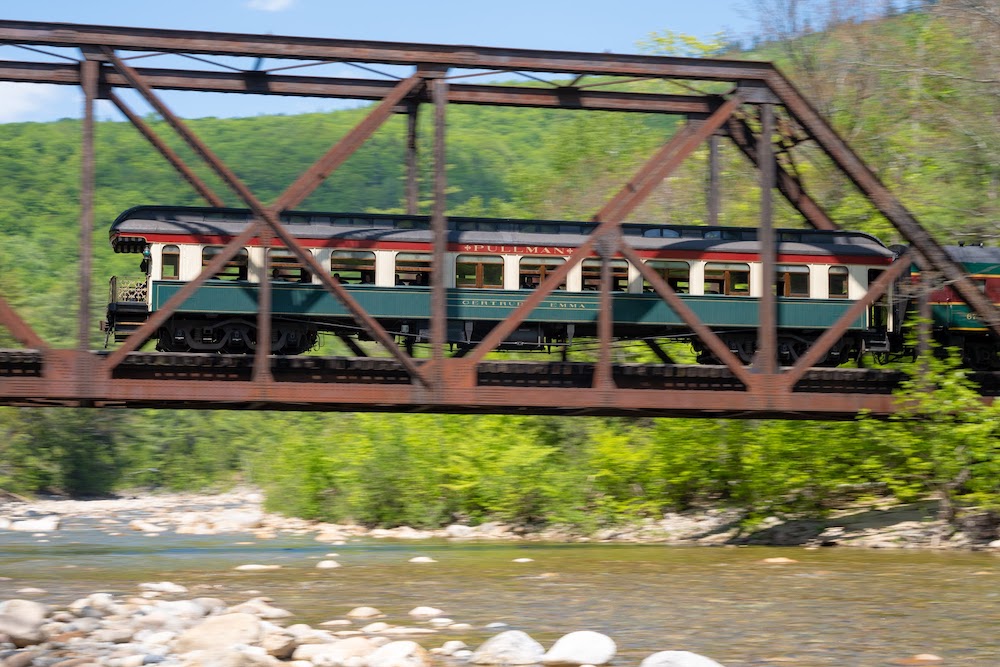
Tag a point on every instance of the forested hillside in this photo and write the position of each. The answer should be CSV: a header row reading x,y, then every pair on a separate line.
x,y
916,95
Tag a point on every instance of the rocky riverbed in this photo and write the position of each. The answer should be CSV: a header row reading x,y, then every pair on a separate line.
x,y
191,623
156,627
880,526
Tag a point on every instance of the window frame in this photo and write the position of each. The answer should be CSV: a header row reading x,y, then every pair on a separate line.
x,y
728,269
543,265
241,268
359,270
480,262
590,274
665,269
170,258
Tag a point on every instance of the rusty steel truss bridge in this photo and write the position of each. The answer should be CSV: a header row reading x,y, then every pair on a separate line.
x,y
751,104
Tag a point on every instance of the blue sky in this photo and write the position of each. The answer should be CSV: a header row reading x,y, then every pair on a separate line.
x,y
565,25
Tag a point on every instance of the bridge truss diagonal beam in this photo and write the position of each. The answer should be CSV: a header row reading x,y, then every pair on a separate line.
x,y
295,193
879,195
611,215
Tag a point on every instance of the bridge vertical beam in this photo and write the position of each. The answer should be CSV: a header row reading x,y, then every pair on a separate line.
x,y
412,163
88,78
713,180
265,293
607,245
439,226
766,361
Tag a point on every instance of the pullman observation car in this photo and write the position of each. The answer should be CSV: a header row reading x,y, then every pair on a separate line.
x,y
491,266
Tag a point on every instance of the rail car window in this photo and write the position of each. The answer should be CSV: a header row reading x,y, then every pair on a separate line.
x,y
533,270
729,278
170,263
838,282
413,268
483,271
235,269
353,267
677,275
592,274
791,280
286,267
661,232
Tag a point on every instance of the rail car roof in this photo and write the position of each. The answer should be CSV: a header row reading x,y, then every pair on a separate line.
x,y
128,229
976,258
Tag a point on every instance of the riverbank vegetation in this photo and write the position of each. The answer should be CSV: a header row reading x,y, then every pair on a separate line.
x,y
914,94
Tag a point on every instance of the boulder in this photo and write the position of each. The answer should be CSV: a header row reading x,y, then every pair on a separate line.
x,y
364,612
400,654
215,631
508,648
22,620
44,524
678,659
229,657
425,612
581,648
162,587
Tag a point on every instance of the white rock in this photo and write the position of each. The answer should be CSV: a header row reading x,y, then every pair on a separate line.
x,y
255,567
458,530
145,526
364,612
422,559
449,648
163,587
400,654
581,648
524,560
225,630
678,659
327,564
376,627
512,647
259,607
425,612
40,525
336,653
442,621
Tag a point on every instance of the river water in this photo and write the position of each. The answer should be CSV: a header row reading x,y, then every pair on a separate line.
x,y
831,607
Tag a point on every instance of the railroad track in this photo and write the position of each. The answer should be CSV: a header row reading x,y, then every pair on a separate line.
x,y
220,367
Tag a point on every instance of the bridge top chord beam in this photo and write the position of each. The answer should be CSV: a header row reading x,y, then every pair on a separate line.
x,y
392,53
